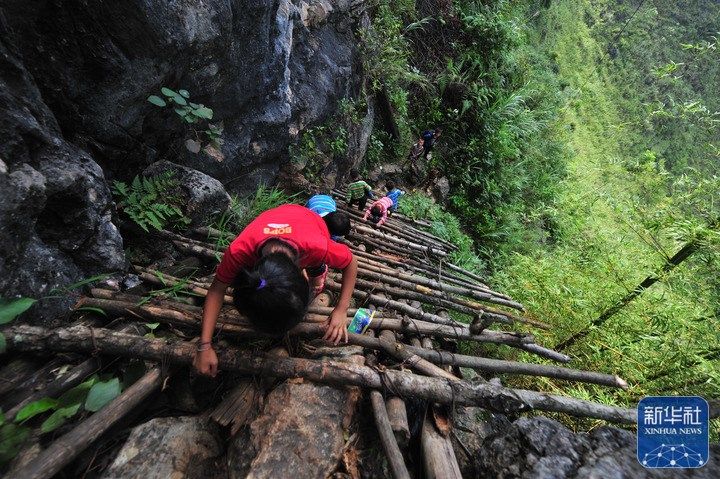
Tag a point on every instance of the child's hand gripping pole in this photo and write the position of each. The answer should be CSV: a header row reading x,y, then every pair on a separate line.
x,y
337,321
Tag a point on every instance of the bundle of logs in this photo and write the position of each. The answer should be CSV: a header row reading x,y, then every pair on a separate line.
x,y
403,275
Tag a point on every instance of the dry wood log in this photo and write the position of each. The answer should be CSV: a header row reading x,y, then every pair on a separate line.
x,y
438,454
464,272
497,366
425,296
31,378
437,330
396,305
231,322
369,266
378,245
427,269
397,414
13,373
395,406
55,388
387,343
197,250
61,452
432,249
239,406
211,232
428,285
403,242
544,352
67,381
490,396
387,438
176,237
162,279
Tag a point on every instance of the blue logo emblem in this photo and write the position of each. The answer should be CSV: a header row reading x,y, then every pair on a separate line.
x,y
673,432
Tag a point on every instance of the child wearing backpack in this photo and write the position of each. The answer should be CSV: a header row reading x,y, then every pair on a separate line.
x,y
272,265
358,191
338,223
378,211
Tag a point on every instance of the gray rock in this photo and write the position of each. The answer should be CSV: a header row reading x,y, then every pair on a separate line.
x,y
268,69
387,171
538,447
441,189
300,431
168,447
55,221
205,197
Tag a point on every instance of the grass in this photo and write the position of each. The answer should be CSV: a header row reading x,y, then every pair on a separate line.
x,y
444,225
243,210
660,342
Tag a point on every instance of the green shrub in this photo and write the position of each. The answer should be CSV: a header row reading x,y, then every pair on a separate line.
x,y
195,115
151,202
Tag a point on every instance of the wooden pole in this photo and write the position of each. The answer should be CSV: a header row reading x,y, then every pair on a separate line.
x,y
400,241
438,454
61,452
231,322
410,234
390,445
490,396
420,283
425,296
432,272
397,306
396,411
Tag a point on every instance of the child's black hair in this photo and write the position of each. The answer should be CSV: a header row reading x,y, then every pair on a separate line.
x,y
338,223
390,185
354,174
375,214
274,295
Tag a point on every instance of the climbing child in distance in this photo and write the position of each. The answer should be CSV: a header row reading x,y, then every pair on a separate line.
x,y
358,191
378,211
338,223
268,265
394,194
429,138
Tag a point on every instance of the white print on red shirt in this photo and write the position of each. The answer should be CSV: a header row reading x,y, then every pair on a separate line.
x,y
277,229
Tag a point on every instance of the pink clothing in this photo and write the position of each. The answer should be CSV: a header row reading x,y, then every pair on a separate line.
x,y
385,204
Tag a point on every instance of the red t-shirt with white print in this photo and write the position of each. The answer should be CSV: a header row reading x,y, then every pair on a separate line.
x,y
301,228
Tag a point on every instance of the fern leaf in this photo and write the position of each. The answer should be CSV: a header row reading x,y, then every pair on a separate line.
x,y
154,220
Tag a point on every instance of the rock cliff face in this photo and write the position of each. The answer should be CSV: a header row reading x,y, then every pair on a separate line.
x,y
268,68
55,216
75,76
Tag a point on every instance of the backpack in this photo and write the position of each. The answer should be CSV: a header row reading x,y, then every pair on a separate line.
x,y
427,135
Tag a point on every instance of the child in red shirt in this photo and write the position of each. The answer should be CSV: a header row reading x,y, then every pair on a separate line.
x,y
265,265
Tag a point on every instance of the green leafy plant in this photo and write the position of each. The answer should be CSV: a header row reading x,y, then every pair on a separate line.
x,y
177,290
151,202
11,438
152,327
11,309
196,115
